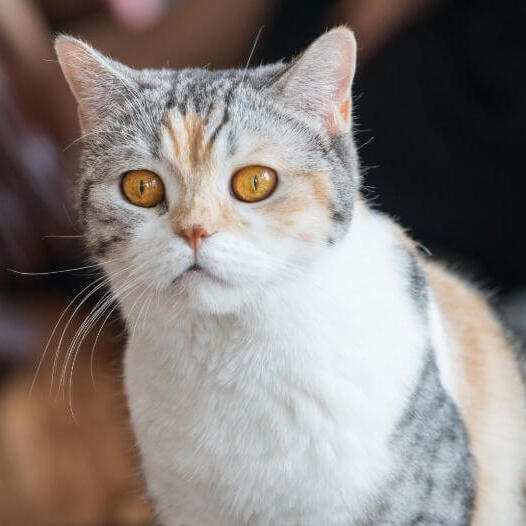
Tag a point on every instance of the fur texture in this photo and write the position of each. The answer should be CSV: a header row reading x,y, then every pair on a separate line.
x,y
311,369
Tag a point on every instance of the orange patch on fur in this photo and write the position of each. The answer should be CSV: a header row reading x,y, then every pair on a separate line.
x,y
208,213
308,191
490,390
345,109
320,188
282,209
191,149
199,205
196,142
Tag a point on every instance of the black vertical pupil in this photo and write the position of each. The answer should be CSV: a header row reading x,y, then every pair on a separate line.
x,y
141,187
255,182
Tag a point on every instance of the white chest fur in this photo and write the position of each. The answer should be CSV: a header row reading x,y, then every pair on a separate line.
x,y
282,415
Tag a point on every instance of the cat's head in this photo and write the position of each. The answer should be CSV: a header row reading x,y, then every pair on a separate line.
x,y
215,185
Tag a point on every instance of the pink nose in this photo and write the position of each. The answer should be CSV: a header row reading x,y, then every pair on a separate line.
x,y
194,236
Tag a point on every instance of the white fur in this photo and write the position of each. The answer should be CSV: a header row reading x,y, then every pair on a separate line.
x,y
278,412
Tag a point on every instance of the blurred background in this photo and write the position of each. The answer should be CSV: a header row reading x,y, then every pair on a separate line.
x,y
440,118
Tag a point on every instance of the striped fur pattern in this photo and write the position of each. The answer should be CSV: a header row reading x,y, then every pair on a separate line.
x,y
305,365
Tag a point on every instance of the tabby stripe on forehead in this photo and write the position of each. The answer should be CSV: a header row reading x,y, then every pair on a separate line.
x,y
173,138
182,106
208,112
224,120
226,116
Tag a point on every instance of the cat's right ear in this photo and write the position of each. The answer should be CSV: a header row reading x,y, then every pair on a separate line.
x,y
92,78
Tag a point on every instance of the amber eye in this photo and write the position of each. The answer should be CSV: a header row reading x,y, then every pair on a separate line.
x,y
143,188
254,183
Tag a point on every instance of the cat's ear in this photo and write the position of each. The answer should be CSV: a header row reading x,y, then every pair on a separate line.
x,y
94,79
319,81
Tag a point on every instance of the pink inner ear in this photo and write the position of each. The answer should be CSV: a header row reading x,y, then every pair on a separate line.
x,y
336,49
345,109
341,118
344,74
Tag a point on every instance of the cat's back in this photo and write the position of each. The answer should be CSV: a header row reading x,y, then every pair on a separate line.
x,y
481,369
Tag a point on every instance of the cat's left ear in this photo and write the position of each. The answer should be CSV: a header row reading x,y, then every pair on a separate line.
x,y
96,81
319,82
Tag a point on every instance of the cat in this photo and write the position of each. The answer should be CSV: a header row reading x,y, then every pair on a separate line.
x,y
292,357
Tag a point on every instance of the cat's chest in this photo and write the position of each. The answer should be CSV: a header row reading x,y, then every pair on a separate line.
x,y
212,404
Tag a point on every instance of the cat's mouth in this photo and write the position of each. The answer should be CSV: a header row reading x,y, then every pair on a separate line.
x,y
198,271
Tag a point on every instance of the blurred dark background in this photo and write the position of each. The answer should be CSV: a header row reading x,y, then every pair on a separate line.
x,y
440,118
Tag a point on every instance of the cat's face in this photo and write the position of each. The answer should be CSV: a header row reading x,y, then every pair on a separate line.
x,y
248,176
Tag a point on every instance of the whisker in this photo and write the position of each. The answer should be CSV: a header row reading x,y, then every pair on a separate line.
x,y
92,354
87,324
100,285
131,310
62,236
81,336
57,352
251,53
70,220
52,272
94,315
41,361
